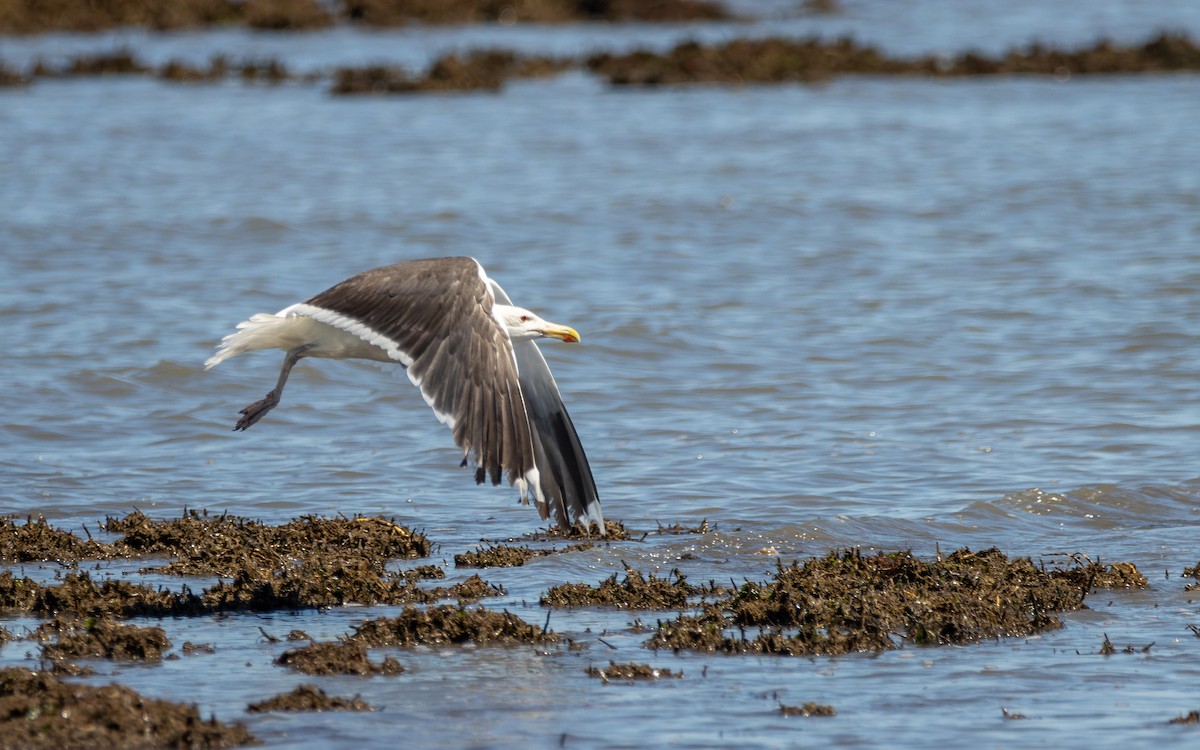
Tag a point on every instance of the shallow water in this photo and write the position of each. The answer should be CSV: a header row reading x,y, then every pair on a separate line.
x,y
887,313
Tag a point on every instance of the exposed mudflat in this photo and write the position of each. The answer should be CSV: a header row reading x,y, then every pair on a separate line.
x,y
843,602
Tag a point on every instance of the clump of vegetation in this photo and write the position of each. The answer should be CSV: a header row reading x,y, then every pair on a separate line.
x,y
634,592
775,60
678,528
10,77
224,545
36,540
437,625
309,698
778,60
299,15
307,563
1095,575
445,624
808,709
739,61
507,556
337,657
79,595
478,70
423,573
101,639
40,711
630,672
471,590
847,601
614,531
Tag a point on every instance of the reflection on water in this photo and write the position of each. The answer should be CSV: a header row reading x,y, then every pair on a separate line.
x,y
874,313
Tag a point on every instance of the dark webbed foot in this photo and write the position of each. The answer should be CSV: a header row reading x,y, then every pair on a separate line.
x,y
256,411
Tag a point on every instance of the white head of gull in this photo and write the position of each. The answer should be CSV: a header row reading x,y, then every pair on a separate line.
x,y
470,351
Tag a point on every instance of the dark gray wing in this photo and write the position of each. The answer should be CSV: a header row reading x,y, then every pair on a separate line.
x,y
565,477
435,317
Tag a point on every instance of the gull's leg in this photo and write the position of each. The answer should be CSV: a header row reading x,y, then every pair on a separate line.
x,y
259,409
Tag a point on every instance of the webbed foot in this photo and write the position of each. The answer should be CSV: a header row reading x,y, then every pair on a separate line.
x,y
256,411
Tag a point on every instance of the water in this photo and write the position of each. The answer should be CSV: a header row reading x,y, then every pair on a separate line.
x,y
885,313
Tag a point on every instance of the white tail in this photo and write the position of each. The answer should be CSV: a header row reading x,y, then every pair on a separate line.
x,y
262,331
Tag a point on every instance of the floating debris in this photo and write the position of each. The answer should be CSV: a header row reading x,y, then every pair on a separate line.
x,y
1192,717
69,715
309,698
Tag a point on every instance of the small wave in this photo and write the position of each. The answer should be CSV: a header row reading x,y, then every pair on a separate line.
x,y
1110,504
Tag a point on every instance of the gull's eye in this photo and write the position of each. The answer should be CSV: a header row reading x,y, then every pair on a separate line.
x,y
524,318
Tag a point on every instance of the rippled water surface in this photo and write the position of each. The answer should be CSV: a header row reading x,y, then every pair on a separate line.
x,y
886,313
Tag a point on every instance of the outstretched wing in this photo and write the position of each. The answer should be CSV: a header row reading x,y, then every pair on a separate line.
x,y
566,482
435,318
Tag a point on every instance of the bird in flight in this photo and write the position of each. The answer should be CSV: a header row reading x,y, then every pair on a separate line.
x,y
470,351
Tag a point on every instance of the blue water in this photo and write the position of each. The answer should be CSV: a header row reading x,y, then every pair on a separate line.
x,y
885,313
